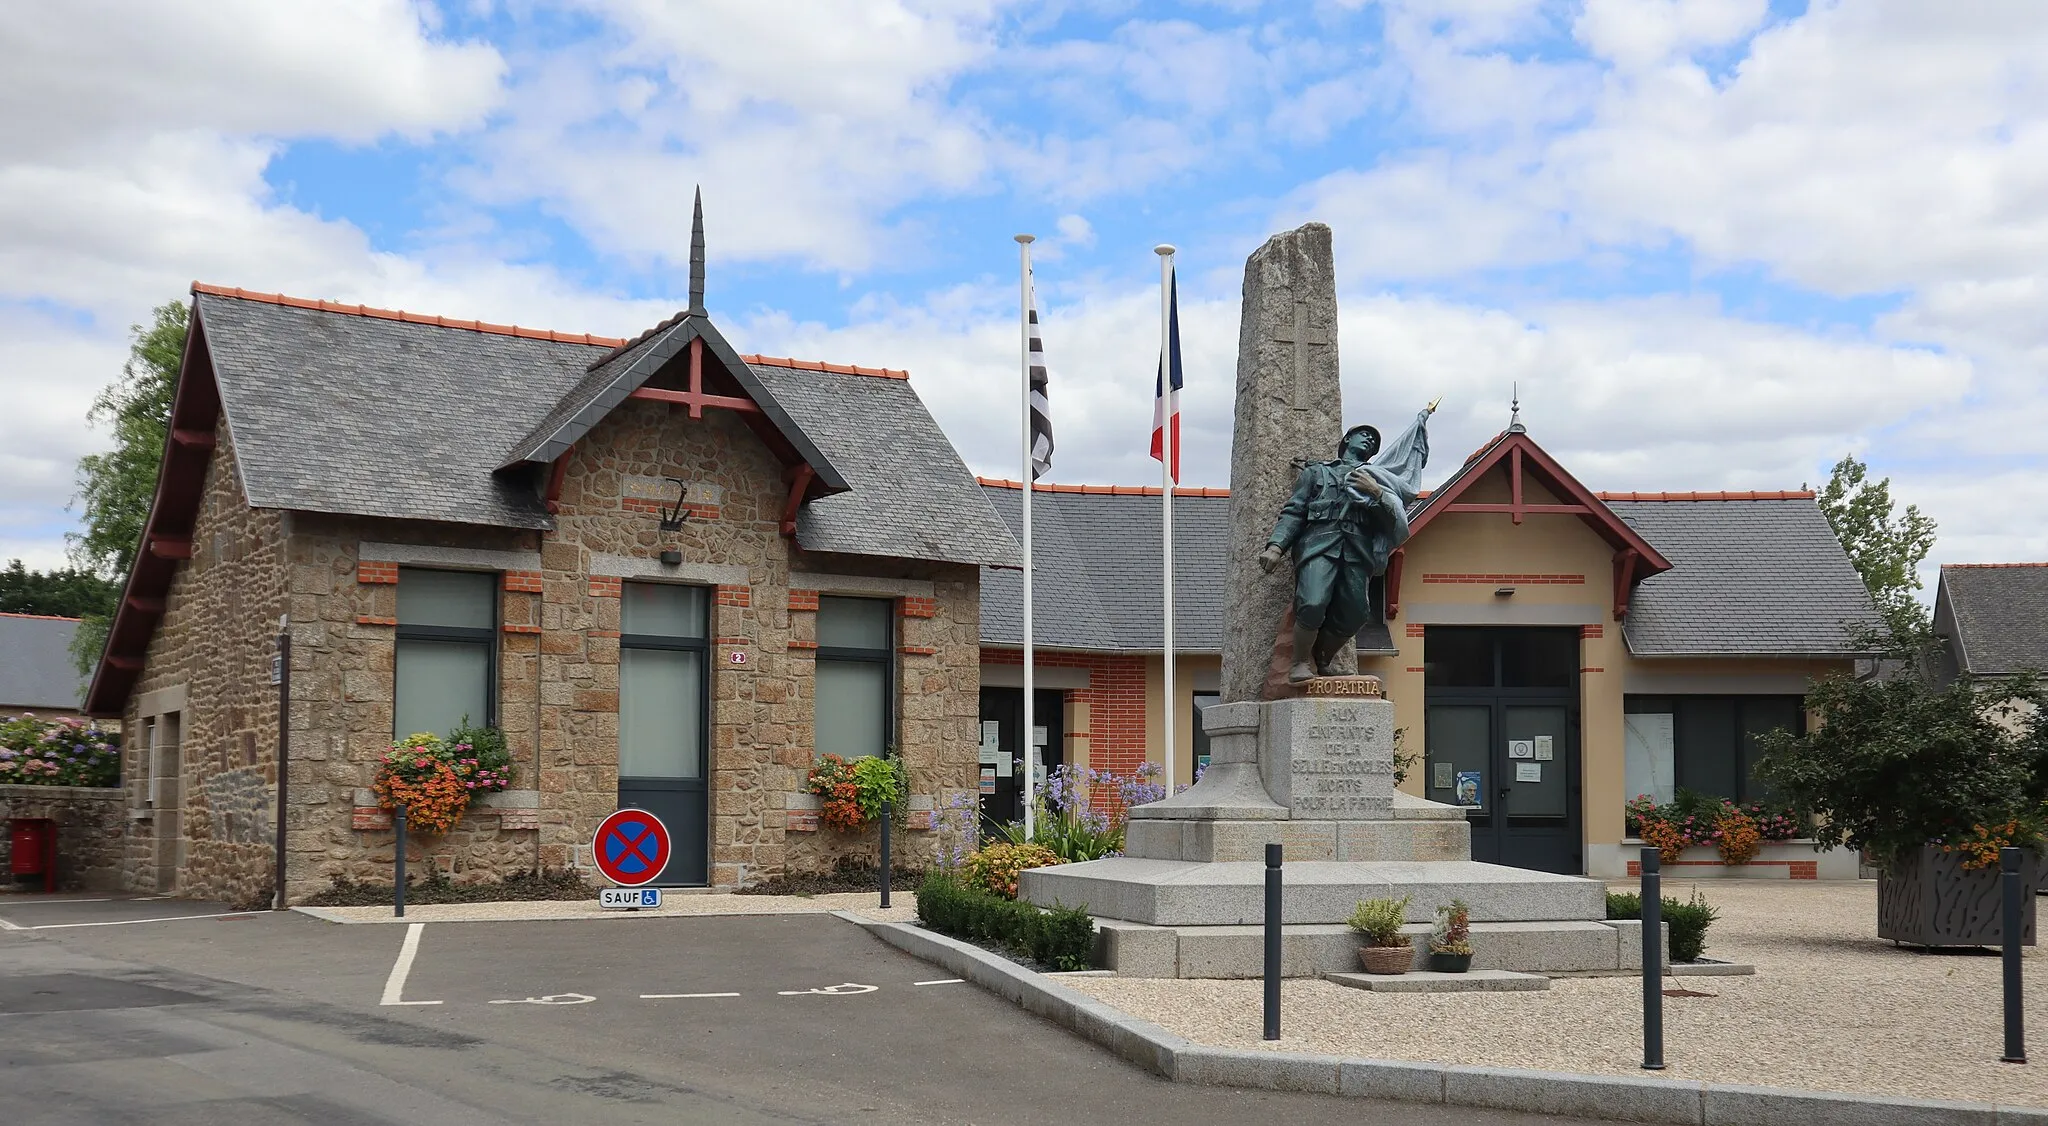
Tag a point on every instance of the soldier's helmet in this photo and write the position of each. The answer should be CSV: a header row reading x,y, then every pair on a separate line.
x,y
1371,434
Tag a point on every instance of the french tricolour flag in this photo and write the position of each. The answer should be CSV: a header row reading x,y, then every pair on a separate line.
x,y
1166,390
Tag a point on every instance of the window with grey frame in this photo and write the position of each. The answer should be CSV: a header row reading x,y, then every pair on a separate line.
x,y
853,713
446,664
1708,744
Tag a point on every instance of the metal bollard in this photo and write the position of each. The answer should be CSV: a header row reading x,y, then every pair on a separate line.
x,y
2009,928
1653,962
885,852
398,863
1272,942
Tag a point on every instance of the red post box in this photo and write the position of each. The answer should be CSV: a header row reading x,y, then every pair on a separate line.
x,y
33,849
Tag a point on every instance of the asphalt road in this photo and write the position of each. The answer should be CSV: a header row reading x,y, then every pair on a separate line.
x,y
271,1018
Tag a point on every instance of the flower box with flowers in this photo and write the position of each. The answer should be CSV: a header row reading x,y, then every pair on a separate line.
x,y
436,779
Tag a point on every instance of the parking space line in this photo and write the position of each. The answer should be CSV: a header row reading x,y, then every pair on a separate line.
x,y
681,996
942,981
130,922
394,986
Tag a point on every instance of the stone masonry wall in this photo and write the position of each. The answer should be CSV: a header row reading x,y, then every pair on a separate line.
x,y
344,613
92,825
761,735
216,639
558,669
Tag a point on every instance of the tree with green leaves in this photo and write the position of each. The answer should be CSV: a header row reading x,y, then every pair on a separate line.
x,y
116,487
1886,546
63,593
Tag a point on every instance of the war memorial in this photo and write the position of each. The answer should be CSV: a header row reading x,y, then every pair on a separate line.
x,y
1302,747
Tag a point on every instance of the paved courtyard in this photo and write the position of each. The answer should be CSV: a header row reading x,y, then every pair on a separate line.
x,y
171,1012
1831,1007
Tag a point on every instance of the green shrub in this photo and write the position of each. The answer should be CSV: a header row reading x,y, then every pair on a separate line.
x,y
994,868
487,747
1688,921
1063,938
1378,921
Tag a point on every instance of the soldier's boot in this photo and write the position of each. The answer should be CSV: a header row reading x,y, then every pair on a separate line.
x,y
1326,653
1304,656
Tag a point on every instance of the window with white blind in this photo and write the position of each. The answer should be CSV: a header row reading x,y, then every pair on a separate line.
x,y
447,651
856,676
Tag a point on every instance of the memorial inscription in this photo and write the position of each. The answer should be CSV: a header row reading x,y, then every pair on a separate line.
x,y
1330,761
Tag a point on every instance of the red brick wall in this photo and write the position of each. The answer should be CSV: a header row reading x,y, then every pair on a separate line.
x,y
1115,696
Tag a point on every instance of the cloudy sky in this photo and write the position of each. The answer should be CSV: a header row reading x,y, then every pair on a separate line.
x,y
1717,243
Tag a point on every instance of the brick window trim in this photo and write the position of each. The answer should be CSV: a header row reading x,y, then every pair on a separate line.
x,y
656,508
1592,631
803,599
605,586
1522,580
376,572
520,627
735,596
522,582
374,620
916,607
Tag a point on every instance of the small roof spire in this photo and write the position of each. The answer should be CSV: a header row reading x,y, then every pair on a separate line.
x,y
1515,410
697,256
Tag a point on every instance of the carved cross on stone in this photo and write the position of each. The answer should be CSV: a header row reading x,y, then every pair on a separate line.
x,y
1303,338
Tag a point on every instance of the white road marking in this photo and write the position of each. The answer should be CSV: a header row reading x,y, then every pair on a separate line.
x,y
942,981
846,989
130,922
549,999
7,926
681,996
394,986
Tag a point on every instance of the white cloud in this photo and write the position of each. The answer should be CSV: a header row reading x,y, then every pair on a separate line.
x,y
356,71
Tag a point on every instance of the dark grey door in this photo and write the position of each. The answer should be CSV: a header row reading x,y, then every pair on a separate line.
x,y
664,719
1002,772
1501,738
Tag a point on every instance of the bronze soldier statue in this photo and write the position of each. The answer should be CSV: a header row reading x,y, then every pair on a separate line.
x,y
1343,522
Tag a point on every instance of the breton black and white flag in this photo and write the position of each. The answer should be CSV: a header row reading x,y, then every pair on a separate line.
x,y
1041,411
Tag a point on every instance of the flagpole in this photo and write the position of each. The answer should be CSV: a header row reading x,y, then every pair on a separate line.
x,y
1168,705
1024,330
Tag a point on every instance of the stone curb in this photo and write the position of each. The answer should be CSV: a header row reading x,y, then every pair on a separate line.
x,y
1611,1097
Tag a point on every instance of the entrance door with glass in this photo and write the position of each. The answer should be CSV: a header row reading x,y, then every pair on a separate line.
x,y
664,718
1502,739
1002,769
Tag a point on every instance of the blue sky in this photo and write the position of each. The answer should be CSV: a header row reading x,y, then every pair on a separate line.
x,y
1716,243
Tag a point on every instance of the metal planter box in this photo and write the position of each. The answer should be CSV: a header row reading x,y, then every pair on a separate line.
x,y
1935,901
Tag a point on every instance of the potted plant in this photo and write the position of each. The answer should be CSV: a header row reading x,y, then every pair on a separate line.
x,y
1383,948
1930,782
1450,944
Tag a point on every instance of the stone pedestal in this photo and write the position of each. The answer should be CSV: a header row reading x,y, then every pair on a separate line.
x,y
1315,775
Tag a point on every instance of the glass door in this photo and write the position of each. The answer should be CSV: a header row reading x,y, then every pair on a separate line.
x,y
664,691
1501,740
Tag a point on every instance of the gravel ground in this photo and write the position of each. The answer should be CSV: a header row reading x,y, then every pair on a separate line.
x,y
1831,1008
902,908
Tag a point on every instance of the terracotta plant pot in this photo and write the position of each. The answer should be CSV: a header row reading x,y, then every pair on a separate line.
x,y
1450,963
1386,959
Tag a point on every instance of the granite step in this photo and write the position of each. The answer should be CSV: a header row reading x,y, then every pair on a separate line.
x,y
1185,893
1315,949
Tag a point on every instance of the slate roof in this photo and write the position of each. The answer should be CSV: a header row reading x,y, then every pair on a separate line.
x,y
1096,576
343,410
1753,575
1995,616
35,663
1757,575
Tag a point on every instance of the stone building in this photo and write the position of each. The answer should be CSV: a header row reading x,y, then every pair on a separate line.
x,y
671,574
1635,642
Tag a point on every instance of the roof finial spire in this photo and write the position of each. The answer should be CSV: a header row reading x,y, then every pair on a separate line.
x,y
697,256
1515,409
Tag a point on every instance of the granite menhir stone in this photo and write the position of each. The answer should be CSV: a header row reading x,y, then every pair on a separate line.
x,y
1289,406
